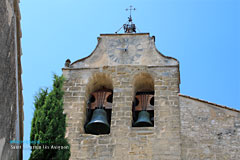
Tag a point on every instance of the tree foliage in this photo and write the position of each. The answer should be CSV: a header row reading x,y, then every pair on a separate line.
x,y
49,125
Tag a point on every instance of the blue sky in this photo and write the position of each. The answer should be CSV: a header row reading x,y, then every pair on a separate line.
x,y
204,35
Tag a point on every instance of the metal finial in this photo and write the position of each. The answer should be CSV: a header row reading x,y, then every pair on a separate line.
x,y
130,9
129,27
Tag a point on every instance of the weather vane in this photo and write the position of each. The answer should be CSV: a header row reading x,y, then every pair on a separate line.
x,y
130,9
129,27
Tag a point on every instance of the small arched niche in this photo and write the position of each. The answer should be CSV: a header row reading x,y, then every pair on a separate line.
x,y
143,103
99,93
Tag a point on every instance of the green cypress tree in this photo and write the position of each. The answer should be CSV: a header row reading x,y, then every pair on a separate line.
x,y
34,135
49,125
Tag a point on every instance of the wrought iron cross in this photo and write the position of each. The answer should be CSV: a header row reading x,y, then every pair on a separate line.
x,y
129,27
130,9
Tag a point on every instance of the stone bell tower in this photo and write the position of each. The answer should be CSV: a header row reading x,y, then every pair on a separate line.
x,y
122,100
123,76
122,103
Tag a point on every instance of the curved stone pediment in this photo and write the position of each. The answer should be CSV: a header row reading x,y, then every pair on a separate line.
x,y
129,49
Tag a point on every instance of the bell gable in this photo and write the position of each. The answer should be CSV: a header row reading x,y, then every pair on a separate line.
x,y
125,49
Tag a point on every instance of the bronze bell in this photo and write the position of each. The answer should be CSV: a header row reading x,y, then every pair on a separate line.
x,y
98,123
143,120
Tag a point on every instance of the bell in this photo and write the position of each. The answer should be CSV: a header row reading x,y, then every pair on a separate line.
x,y
143,120
98,123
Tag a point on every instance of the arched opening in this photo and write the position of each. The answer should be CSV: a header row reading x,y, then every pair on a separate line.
x,y
99,95
143,104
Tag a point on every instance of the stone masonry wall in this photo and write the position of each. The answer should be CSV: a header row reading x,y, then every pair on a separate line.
x,y
161,142
11,102
209,132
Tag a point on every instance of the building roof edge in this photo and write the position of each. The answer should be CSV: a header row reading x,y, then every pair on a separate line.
x,y
123,34
204,101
